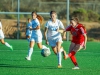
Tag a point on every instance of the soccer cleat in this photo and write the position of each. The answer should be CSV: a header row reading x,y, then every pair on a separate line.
x,y
27,58
76,68
59,66
11,48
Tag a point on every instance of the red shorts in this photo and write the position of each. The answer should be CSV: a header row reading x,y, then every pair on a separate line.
x,y
81,44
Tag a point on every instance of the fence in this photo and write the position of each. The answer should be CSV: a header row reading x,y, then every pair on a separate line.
x,y
9,12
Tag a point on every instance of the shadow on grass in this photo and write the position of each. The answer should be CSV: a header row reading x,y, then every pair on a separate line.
x,y
28,66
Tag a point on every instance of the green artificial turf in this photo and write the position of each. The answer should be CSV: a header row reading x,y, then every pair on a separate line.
x,y
14,63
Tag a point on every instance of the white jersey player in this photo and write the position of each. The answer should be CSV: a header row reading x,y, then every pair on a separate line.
x,y
36,36
2,37
28,31
53,36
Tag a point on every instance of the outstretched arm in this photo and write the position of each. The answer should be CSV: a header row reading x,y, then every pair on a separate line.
x,y
85,41
45,35
38,27
64,35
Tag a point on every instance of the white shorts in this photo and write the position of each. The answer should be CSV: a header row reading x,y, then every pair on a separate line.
x,y
36,39
53,41
1,35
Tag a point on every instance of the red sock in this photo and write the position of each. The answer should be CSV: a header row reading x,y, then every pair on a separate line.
x,y
74,60
72,53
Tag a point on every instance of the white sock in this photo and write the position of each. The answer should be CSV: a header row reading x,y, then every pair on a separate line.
x,y
43,47
59,58
7,44
61,50
30,51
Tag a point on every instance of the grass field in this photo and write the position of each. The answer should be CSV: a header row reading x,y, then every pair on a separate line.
x,y
14,63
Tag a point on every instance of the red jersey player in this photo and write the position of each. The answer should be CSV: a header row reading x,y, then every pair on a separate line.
x,y
79,39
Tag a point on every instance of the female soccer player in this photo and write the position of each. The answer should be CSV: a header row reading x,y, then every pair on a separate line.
x,y
2,37
53,36
79,39
28,31
36,36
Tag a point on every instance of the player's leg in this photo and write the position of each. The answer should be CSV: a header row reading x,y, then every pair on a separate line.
x,y
73,49
30,51
6,44
72,55
39,43
54,50
58,45
63,51
72,45
41,46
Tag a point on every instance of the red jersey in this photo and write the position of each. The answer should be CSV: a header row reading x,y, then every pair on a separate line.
x,y
77,33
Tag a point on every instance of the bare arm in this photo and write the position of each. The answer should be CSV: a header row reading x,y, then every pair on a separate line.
x,y
64,34
85,41
38,27
45,35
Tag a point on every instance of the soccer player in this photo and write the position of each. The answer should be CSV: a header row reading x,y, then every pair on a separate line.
x,y
36,36
2,38
28,31
53,36
79,39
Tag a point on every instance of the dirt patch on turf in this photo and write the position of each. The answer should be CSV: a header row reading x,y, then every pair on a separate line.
x,y
10,27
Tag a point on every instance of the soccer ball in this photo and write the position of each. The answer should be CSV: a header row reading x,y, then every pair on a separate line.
x,y
45,52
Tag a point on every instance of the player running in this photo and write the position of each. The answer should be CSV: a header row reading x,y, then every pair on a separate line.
x,y
28,31
36,36
79,39
2,37
53,36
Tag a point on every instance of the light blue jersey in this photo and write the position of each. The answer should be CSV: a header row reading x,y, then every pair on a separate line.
x,y
28,31
36,34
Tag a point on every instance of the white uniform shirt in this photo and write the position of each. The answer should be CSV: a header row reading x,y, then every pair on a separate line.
x,y
35,33
1,32
0,26
53,27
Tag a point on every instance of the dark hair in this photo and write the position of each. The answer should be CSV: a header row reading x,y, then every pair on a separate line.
x,y
34,12
75,19
51,12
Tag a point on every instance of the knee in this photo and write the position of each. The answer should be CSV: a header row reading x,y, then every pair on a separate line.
x,y
2,42
40,47
58,49
55,51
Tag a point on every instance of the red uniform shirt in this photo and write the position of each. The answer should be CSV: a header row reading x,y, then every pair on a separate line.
x,y
77,33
